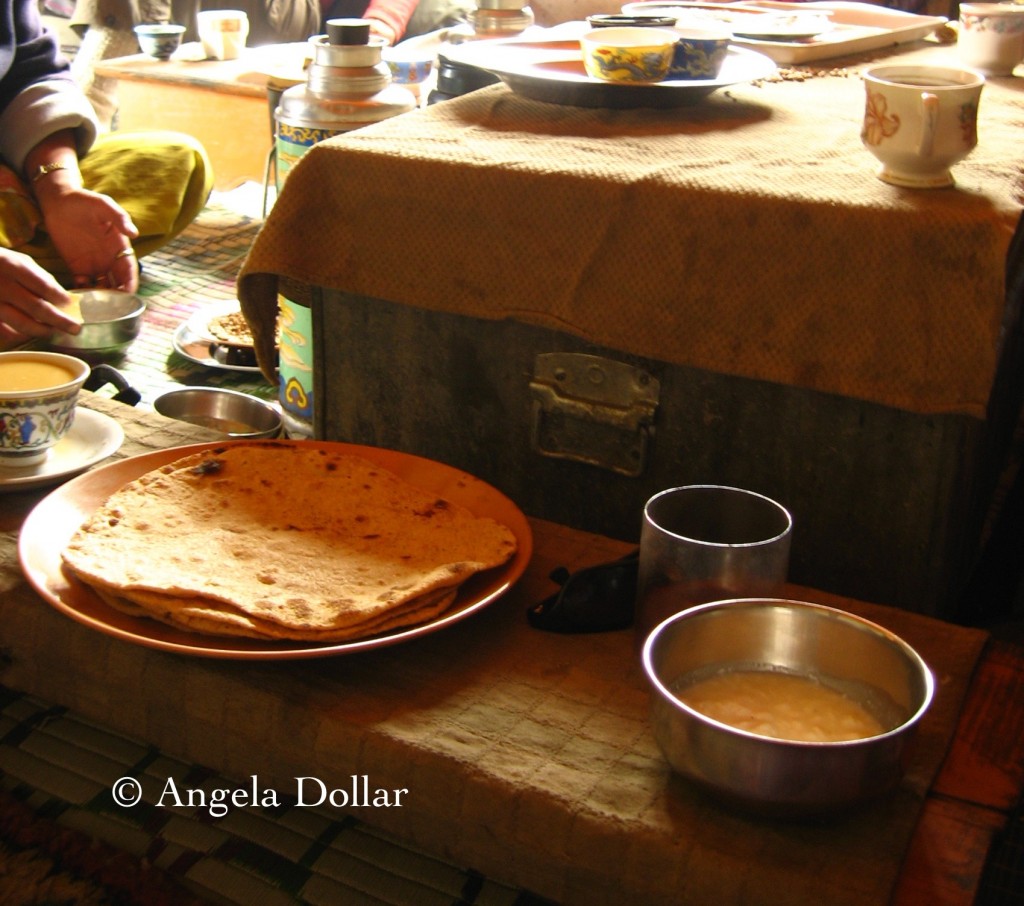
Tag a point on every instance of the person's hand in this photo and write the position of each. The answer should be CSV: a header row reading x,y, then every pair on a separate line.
x,y
93,234
382,30
28,295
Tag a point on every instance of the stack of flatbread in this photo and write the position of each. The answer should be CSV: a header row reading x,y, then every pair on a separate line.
x,y
282,541
232,329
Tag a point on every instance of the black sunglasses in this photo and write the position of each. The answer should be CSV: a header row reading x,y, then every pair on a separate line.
x,y
595,599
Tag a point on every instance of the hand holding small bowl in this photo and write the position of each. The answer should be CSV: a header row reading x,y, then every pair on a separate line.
x,y
111,320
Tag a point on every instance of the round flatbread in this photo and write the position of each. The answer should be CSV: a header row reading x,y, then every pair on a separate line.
x,y
284,538
207,617
232,329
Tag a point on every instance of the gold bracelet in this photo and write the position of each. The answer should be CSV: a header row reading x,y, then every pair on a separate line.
x,y
48,168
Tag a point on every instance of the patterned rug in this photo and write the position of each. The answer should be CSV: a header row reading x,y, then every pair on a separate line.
x,y
42,862
64,840
193,273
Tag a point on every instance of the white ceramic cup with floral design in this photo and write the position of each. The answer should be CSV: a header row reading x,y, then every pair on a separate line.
x,y
920,120
991,37
38,395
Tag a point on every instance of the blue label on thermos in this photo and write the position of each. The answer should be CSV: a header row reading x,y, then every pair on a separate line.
x,y
295,366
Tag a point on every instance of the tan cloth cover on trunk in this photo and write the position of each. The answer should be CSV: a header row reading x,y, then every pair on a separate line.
x,y
747,235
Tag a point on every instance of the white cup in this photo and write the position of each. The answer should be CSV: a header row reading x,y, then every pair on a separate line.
x,y
920,120
991,37
223,32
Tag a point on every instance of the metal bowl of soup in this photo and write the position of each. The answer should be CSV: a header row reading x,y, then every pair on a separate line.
x,y
111,320
783,707
236,414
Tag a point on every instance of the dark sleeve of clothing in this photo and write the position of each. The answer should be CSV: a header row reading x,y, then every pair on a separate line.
x,y
28,52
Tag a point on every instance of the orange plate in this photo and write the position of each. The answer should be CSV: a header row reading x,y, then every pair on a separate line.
x,y
57,517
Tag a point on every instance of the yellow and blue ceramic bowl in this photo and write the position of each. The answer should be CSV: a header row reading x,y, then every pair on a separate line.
x,y
629,54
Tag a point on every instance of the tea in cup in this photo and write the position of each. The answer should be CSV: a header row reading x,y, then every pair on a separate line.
x,y
919,121
38,394
991,37
223,32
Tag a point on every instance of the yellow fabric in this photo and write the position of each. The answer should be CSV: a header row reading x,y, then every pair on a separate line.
x,y
747,235
19,215
162,179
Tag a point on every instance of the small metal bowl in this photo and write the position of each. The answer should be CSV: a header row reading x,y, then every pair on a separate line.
x,y
111,320
781,777
238,415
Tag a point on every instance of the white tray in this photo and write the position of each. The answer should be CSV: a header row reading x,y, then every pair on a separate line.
x,y
553,71
857,27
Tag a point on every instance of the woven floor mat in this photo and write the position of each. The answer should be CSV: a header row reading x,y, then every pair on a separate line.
x,y
67,770
44,863
195,271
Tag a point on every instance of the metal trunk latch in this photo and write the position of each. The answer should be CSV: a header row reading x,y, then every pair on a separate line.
x,y
592,409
